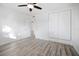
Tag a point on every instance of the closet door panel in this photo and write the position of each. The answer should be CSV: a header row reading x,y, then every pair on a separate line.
x,y
59,25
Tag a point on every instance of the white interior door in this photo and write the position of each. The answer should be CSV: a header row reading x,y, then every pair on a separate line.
x,y
59,25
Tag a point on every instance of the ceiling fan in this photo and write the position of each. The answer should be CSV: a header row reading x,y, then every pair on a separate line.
x,y
30,6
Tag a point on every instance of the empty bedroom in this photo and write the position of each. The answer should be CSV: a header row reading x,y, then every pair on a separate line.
x,y
39,29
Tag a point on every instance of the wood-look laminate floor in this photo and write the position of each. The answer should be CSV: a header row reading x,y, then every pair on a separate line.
x,y
29,47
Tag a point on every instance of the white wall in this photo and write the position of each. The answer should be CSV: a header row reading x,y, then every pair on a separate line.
x,y
18,22
41,25
75,26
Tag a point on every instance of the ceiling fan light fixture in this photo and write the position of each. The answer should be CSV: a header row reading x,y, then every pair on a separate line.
x,y
30,6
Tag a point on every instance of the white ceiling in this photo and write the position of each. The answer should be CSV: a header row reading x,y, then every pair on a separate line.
x,y
46,7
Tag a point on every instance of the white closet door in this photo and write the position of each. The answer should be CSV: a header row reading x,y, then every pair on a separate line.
x,y
59,25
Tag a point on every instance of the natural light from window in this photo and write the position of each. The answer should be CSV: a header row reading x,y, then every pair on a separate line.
x,y
12,36
8,30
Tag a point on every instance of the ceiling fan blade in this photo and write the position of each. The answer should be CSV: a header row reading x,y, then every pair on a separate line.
x,y
34,3
22,5
37,7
